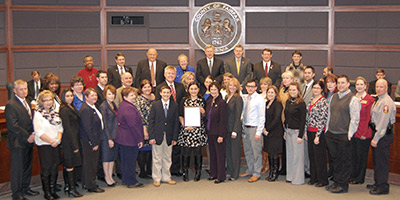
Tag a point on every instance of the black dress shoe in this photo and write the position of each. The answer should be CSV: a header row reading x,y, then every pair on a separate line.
x,y
287,181
119,176
96,190
371,186
144,176
321,184
339,189
378,191
32,193
329,187
211,178
137,185
111,185
310,182
20,198
307,175
218,181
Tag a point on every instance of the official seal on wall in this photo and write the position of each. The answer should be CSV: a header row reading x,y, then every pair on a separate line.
x,y
218,24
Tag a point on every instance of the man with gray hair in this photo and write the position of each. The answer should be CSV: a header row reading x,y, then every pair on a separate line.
x,y
20,137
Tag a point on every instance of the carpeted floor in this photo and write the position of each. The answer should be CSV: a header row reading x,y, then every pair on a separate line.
x,y
239,189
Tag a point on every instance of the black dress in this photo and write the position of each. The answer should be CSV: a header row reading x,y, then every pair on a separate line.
x,y
273,124
70,139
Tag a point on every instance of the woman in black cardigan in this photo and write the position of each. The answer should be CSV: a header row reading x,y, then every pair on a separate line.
x,y
295,120
70,142
273,131
217,115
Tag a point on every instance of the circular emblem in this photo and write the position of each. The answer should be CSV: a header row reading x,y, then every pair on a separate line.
x,y
217,24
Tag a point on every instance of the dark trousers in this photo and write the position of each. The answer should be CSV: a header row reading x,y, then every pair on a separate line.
x,y
317,155
50,158
100,170
128,163
89,166
340,149
381,162
217,157
21,170
187,151
144,160
359,158
176,159
233,153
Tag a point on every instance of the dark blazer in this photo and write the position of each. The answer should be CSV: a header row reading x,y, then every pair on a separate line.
x,y
19,124
113,75
143,72
371,88
70,122
89,125
218,116
235,108
202,70
110,121
179,90
275,73
100,96
273,124
31,89
159,125
245,69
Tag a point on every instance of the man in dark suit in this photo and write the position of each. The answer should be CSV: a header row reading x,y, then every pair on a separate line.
x,y
239,66
380,74
102,80
209,66
163,131
177,88
177,93
35,85
269,68
114,72
151,69
20,137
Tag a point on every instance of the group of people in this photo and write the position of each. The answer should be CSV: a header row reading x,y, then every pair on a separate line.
x,y
105,122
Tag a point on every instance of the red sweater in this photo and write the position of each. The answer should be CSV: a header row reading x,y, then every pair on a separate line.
x,y
89,76
365,116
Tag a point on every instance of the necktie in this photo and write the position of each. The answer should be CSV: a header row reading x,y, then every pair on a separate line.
x,y
165,110
210,65
28,109
173,92
247,111
305,89
120,71
36,89
152,74
266,69
238,65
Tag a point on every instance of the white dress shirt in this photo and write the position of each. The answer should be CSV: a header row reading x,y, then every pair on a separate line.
x,y
256,115
42,126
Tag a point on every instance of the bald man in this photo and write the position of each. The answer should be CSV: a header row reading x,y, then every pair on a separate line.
x,y
383,116
151,69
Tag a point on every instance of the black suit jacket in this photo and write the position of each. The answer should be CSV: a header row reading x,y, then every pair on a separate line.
x,y
100,96
202,70
275,73
218,118
179,91
159,125
113,75
89,125
143,72
19,124
235,108
31,89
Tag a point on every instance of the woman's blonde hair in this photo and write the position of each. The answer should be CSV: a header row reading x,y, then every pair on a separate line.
x,y
236,82
42,95
185,77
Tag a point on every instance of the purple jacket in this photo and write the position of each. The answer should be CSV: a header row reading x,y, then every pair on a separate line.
x,y
130,127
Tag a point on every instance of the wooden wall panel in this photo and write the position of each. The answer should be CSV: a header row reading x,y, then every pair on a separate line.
x,y
287,3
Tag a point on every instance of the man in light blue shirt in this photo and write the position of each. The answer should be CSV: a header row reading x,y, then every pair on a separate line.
x,y
253,124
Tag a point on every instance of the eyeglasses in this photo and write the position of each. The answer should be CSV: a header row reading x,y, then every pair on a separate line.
x,y
316,88
251,86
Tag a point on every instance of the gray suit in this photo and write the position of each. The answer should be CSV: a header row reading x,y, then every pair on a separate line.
x,y
307,95
233,147
245,69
